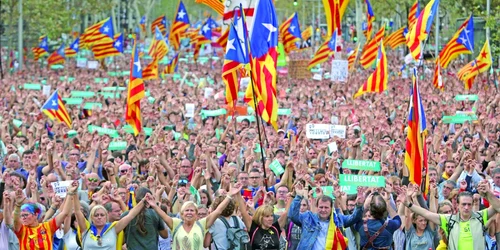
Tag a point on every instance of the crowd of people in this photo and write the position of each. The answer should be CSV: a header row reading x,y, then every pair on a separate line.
x,y
200,182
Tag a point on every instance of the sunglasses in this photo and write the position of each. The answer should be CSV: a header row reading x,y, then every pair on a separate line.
x,y
99,241
183,182
92,179
124,171
24,216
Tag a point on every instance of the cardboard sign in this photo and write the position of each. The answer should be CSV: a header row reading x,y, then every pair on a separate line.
x,y
92,64
459,119
318,131
317,77
117,145
81,62
61,188
32,86
190,108
276,167
208,92
73,101
297,69
103,131
338,130
361,180
471,98
217,112
361,165
284,111
332,147
83,94
339,72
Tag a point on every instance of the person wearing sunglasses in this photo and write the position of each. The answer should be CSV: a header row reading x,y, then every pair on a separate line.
x,y
99,233
31,233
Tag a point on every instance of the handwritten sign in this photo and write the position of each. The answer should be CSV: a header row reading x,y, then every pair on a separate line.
x,y
190,107
338,130
339,71
61,188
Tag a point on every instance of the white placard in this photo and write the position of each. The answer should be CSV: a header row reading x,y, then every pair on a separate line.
x,y
318,131
404,74
440,80
208,92
92,64
339,71
409,59
317,77
244,81
46,90
332,147
190,107
61,188
338,130
81,63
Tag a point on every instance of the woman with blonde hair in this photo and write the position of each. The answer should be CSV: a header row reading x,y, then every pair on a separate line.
x,y
99,233
189,231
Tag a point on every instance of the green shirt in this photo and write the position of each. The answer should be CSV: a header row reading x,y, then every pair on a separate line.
x,y
466,240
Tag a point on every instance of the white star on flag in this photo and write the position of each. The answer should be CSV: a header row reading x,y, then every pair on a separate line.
x,y
206,28
181,14
292,28
106,29
54,103
117,44
75,46
42,44
138,65
230,45
271,29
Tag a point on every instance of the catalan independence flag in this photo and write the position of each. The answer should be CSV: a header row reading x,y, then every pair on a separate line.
x,y
222,40
217,5
106,49
54,108
370,17
396,38
462,42
335,240
42,49
135,92
377,82
264,55
290,32
421,29
57,57
417,129
161,23
179,26
334,11
233,61
370,49
204,38
324,51
151,71
99,32
73,49
172,65
158,48
306,42
480,64
142,24
352,58
413,13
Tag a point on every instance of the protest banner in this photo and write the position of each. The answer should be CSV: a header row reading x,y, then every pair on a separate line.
x,y
82,94
81,62
276,167
338,130
103,131
32,86
327,190
339,72
61,188
318,131
361,180
190,108
46,90
117,145
471,98
361,165
92,64
73,101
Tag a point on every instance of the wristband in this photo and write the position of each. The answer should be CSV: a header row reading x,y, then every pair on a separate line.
x,y
229,197
53,208
409,205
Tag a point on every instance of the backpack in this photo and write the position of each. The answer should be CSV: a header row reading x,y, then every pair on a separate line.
x,y
452,223
236,237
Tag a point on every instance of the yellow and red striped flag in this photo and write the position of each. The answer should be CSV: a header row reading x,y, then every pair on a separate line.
x,y
158,48
352,58
217,5
72,50
222,40
135,92
335,240
370,49
370,17
324,51
179,26
106,49
481,64
377,82
396,38
413,13
417,129
161,23
99,32
151,71
462,42
57,57
421,29
334,11
42,49
290,32
437,79
172,65
54,108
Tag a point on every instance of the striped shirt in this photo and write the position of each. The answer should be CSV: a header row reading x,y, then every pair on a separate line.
x,y
37,238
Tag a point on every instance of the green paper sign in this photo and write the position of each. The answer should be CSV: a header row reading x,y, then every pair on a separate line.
x,y
472,98
57,66
194,192
361,165
113,88
103,131
17,122
277,168
73,101
130,130
459,119
284,111
327,190
117,145
97,80
217,112
71,133
361,180
83,94
92,105
349,189
32,86
281,55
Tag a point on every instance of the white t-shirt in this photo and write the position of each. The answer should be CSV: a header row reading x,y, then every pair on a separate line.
x,y
70,240
219,232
